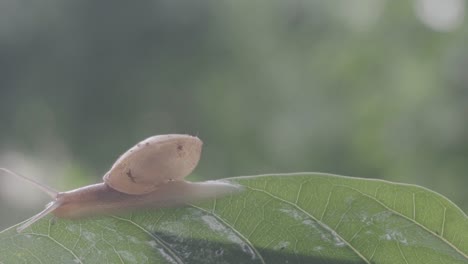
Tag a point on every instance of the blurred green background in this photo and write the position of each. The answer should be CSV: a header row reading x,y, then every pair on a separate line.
x,y
365,88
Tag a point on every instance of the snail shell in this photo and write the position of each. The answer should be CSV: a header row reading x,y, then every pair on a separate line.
x,y
154,161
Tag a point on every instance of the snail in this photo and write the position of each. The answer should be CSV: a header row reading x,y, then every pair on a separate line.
x,y
149,175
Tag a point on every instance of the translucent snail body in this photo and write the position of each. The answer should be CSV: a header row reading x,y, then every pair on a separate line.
x,y
149,175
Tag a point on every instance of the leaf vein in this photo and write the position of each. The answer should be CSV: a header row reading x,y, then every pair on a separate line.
x,y
401,252
60,244
113,248
158,239
409,219
27,250
326,206
234,230
315,219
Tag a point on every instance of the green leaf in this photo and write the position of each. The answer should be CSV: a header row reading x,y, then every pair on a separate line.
x,y
293,218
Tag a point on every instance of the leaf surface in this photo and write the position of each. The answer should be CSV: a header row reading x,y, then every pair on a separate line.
x,y
285,218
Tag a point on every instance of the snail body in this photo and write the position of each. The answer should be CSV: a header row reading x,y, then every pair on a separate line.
x,y
149,175
102,199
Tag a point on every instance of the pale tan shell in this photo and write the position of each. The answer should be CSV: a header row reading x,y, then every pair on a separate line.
x,y
154,161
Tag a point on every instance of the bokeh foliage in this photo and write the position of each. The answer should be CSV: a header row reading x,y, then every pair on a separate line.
x,y
269,86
